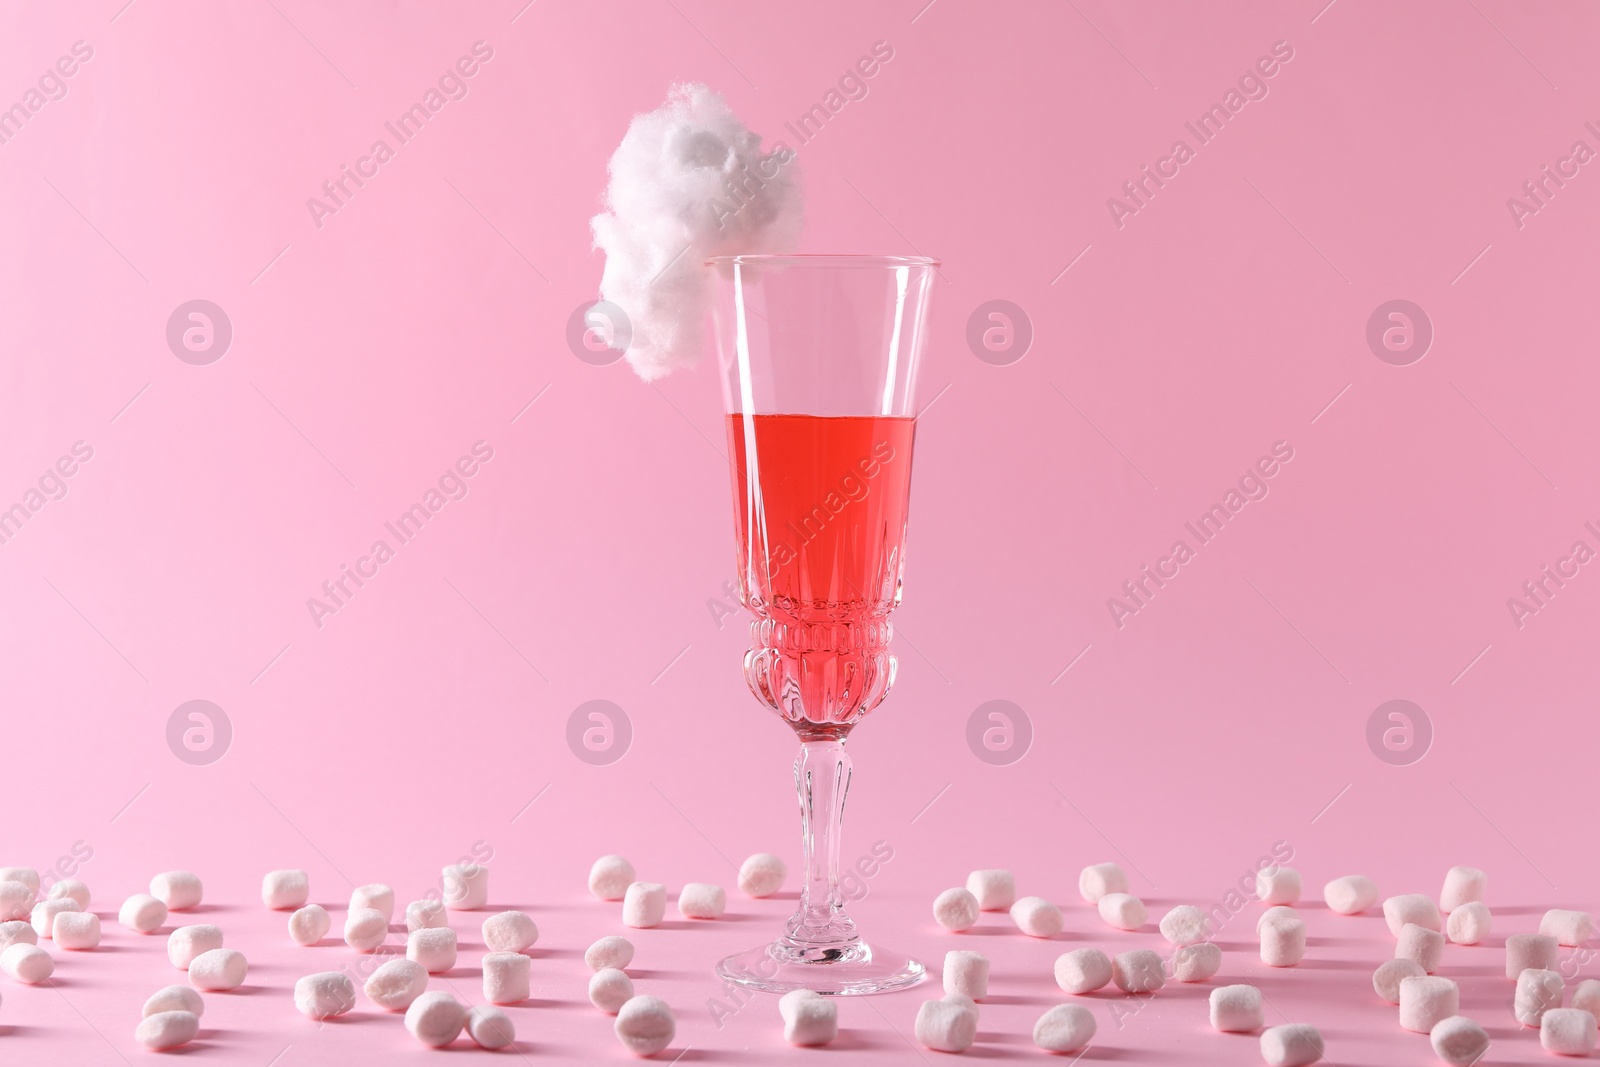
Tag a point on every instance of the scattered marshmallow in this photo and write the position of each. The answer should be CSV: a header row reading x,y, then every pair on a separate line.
x,y
1586,995
16,900
1138,971
1278,885
187,942
506,977
1537,992
698,900
1064,1028
1277,911
466,886
1123,911
996,890
1458,1040
1283,942
26,875
1468,924
1425,1000
610,989
324,995
175,998
760,876
285,890
178,890
1424,946
1538,951
365,929
436,1018
610,877
609,951
1037,917
1390,973
1569,928
1196,963
1185,925
27,963
15,931
167,1029
1236,1009
142,913
310,924
71,887
1083,970
489,1027
425,914
1567,1032
645,1025
76,930
220,969
1350,895
809,1019
644,904
1101,879
1462,885
1293,1045
375,897
966,973
510,931
434,948
1410,908
948,1025
397,983
956,910
44,914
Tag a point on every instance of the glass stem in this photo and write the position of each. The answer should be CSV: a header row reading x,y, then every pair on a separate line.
x,y
822,780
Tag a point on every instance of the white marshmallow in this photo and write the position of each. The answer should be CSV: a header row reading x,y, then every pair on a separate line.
x,y
644,904
1410,908
1083,970
466,886
510,931
285,890
71,887
645,1025
1567,1032
956,910
27,963
375,897
16,900
178,890
1236,1009
948,1025
761,876
1138,971
76,930
966,973
187,942
1278,885
1427,999
506,977
1586,995
26,875
175,998
425,914
1390,973
1100,879
365,929
434,948
1569,928
610,989
142,913
397,983
219,969
490,1028
167,1029
1468,924
1123,911
1537,992
1538,951
697,900
1462,885
15,931
1424,946
1185,925
310,924
809,1019
1458,1040
996,890
1294,1045
1350,895
324,995
610,877
1064,1028
1037,917
1196,963
1283,942
45,912
436,1018
609,951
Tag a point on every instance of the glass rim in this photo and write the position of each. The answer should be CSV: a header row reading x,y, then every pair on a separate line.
x,y
820,259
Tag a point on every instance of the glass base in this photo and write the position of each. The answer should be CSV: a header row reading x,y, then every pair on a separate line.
x,y
855,969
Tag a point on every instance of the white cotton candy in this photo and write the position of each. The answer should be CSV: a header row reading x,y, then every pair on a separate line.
x,y
375,897
610,989
1569,928
285,890
1390,973
1083,970
1123,911
1468,924
490,1028
1236,1009
434,948
142,913
809,1019
167,1029
948,1025
1139,971
762,875
966,973
697,900
324,995
1037,917
1410,908
644,905
1294,1045
1064,1028
1098,879
308,925
397,983
466,886
1537,992
1462,885
1427,1000
609,951
175,998
1538,951
219,969
1196,963
1185,925
610,877
1567,1032
956,910
1278,885
1458,1041
1424,946
509,931
1350,895
425,914
645,1025
995,889
71,887
178,890
506,977
436,1018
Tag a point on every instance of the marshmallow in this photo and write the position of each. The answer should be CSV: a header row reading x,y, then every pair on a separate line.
x,y
1037,917
644,904
1277,911
324,995
285,890
1538,951
187,942
1123,911
26,875
1350,895
76,930
490,1028
376,897
1587,996
1278,885
71,887
1426,999
16,900
1424,946
956,910
1283,942
610,989
436,1018
1462,885
466,886
175,998
948,1025
610,877
1196,963
1390,973
1236,1009
996,890
434,948
1537,992
1410,908
609,951
1138,971
167,1029
142,913
1083,970
761,876
645,1025
1100,879
178,890
27,963
510,931
45,912
1458,1040
1185,925
505,977
397,983
701,901
1468,924
1569,928
365,929
425,914
1567,1032
16,931
1294,1045
1064,1028
809,1019
220,969
966,973
308,925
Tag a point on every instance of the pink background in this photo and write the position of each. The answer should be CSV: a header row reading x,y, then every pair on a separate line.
x,y
422,718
